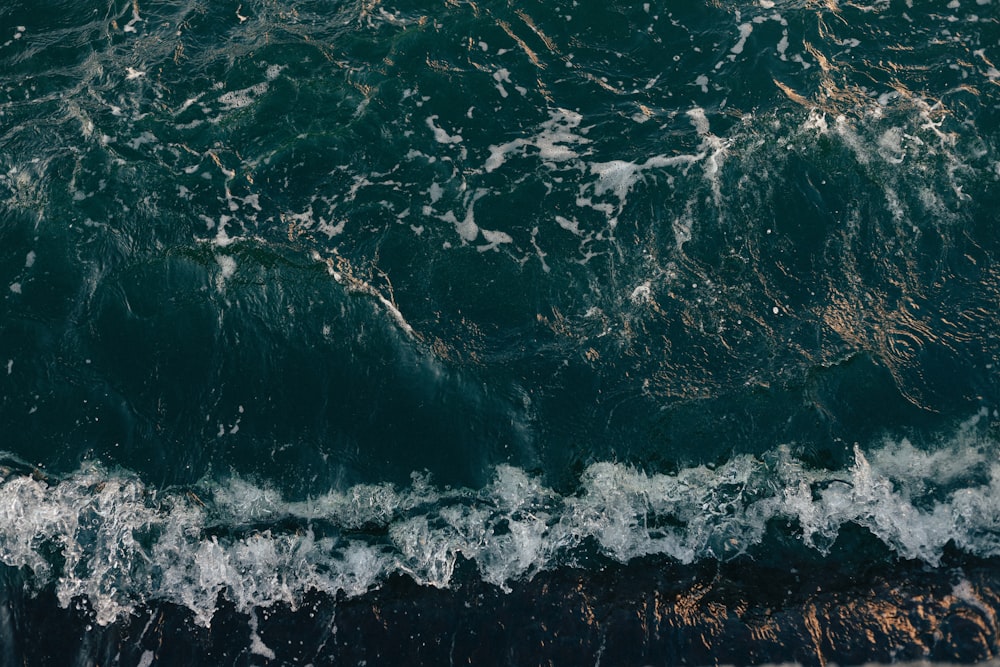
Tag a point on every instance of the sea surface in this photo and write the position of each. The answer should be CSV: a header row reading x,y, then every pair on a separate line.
x,y
563,332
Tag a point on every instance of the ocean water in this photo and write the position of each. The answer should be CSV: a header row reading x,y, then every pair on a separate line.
x,y
565,332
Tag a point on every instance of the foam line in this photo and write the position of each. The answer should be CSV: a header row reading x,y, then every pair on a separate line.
x,y
121,542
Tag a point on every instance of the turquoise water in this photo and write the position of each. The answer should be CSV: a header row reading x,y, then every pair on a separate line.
x,y
642,332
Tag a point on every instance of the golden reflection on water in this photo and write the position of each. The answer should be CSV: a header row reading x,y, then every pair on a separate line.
x,y
909,621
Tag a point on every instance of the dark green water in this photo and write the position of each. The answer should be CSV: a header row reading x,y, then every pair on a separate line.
x,y
608,322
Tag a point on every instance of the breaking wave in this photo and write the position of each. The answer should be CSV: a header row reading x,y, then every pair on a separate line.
x,y
107,536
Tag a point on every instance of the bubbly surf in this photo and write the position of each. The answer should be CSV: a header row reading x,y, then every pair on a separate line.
x,y
107,537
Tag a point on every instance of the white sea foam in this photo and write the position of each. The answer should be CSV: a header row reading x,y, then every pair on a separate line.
x,y
227,267
122,542
238,99
561,145
440,135
745,30
556,141
494,239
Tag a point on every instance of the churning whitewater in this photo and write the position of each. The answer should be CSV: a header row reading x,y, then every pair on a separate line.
x,y
123,544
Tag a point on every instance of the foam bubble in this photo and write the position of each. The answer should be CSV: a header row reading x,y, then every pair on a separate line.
x,y
440,135
554,141
494,239
745,30
238,99
616,178
120,543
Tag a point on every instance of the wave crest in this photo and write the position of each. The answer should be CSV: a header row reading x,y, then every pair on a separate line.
x,y
108,537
